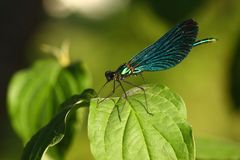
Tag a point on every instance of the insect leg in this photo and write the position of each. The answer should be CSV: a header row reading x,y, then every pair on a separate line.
x,y
131,84
142,77
145,96
122,89
111,93
125,93
100,90
120,84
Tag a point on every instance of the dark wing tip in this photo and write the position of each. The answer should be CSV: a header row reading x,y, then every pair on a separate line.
x,y
189,25
189,22
189,30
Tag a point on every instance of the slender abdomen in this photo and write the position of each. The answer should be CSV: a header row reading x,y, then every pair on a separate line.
x,y
202,41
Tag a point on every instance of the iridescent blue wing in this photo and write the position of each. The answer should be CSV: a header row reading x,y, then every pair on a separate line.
x,y
168,51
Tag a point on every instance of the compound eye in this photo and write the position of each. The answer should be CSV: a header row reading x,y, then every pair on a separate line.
x,y
109,75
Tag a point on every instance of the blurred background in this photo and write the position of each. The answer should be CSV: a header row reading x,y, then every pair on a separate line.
x,y
106,33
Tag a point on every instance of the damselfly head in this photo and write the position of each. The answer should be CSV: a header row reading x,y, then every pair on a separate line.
x,y
109,75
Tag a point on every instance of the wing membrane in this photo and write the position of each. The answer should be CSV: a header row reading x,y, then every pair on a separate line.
x,y
169,50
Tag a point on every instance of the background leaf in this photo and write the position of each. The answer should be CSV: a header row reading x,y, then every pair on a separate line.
x,y
139,135
35,95
217,149
54,131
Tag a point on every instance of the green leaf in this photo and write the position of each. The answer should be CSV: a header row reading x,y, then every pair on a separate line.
x,y
217,149
35,95
132,133
54,131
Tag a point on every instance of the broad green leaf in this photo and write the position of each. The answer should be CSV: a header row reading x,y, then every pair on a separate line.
x,y
55,130
217,149
132,133
35,95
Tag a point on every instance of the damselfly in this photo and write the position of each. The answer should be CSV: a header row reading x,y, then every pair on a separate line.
x,y
165,53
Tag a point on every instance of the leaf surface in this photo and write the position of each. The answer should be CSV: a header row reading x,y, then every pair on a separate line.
x,y
35,95
54,131
123,129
